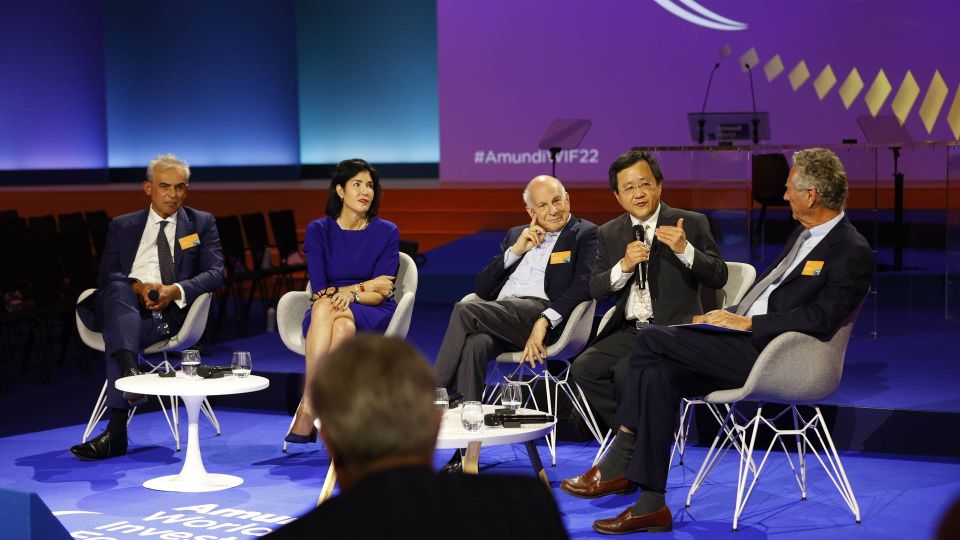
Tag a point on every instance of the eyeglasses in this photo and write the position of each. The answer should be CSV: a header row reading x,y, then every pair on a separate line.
x,y
645,187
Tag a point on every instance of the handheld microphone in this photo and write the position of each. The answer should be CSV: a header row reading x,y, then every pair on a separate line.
x,y
638,235
753,98
703,109
515,420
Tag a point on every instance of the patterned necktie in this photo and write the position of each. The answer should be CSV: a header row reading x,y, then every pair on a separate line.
x,y
167,274
772,277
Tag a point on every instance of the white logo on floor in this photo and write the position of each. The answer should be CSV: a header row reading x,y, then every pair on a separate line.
x,y
196,522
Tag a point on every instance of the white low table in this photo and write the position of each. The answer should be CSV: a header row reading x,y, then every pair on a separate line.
x,y
454,435
193,477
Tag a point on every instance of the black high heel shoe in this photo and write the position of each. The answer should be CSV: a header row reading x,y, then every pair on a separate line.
x,y
296,438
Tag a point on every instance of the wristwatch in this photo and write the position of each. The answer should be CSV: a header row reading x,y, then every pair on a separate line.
x,y
544,317
356,297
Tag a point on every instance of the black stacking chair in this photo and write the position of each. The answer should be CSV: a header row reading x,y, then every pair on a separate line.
x,y
97,222
73,220
255,231
768,184
284,226
43,225
238,274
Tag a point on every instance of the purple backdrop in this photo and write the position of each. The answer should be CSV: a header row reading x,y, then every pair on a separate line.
x,y
508,68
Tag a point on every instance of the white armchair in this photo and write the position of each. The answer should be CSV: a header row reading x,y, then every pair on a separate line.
x,y
189,334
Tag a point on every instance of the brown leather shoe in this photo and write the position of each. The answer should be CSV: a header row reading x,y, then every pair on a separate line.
x,y
589,485
626,522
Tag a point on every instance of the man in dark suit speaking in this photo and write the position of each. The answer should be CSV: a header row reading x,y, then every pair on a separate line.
x,y
818,282
156,260
374,399
680,256
529,289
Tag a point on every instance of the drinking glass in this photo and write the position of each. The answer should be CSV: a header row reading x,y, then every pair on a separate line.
x,y
189,360
511,396
471,416
441,401
242,364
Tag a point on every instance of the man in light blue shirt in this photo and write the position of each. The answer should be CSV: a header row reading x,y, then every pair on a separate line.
x,y
528,291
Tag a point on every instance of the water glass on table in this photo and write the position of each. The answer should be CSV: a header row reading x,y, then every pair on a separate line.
x,y
242,364
511,396
441,401
471,416
189,361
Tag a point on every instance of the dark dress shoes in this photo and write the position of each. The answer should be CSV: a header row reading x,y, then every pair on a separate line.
x,y
135,400
101,447
454,466
589,485
626,522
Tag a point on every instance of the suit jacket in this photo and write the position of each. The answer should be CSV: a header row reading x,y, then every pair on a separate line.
x,y
818,302
567,283
198,269
674,288
416,503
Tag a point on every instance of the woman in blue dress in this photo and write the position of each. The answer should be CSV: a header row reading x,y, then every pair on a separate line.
x,y
352,260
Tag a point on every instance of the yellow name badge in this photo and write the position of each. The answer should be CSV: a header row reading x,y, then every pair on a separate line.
x,y
189,241
560,257
812,268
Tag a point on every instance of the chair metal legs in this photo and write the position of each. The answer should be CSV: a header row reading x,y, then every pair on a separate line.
x,y
741,432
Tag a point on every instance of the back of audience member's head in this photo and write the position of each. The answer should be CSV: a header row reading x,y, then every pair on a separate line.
x,y
374,398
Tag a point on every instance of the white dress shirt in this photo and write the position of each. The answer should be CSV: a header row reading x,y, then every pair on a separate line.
x,y
817,233
639,306
528,279
146,265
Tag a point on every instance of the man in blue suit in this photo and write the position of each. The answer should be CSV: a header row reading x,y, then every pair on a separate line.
x,y
528,291
167,248
817,283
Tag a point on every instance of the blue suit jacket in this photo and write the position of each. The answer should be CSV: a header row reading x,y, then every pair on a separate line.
x,y
817,301
199,269
566,284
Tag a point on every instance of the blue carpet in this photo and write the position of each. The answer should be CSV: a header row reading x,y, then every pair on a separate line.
x,y
899,498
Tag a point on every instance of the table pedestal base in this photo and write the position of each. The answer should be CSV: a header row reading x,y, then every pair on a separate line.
x,y
193,477
210,482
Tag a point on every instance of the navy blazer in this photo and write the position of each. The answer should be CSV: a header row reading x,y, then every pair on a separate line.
x,y
566,284
199,269
817,302
674,288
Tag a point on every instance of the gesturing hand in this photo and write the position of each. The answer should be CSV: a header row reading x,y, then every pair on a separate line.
x,y
529,238
534,352
673,236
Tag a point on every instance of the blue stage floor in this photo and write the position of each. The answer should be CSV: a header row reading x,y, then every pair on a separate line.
x,y
899,498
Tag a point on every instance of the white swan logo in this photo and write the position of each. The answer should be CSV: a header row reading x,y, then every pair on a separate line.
x,y
699,15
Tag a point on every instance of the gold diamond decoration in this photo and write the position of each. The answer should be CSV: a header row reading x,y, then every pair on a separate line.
x,y
824,82
878,93
851,88
933,101
953,117
749,58
799,75
773,68
906,96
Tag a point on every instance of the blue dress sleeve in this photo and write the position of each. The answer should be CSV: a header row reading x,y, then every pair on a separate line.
x,y
313,246
388,262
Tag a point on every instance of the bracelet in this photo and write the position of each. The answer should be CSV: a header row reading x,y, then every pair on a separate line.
x,y
362,289
329,292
